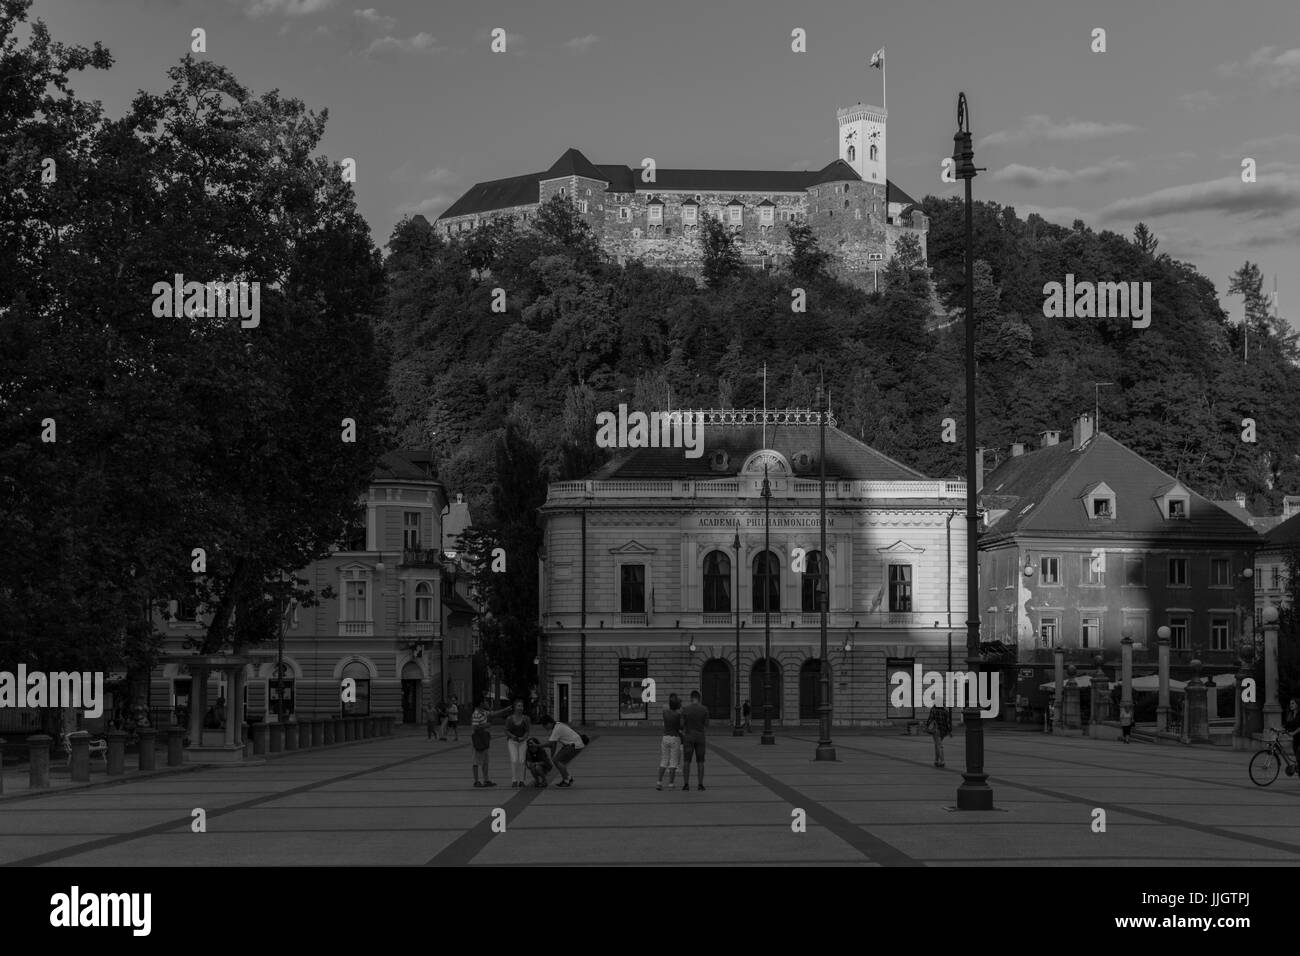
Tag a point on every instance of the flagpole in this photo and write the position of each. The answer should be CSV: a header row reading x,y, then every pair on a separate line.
x,y
764,404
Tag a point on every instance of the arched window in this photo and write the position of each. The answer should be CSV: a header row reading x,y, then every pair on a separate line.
x,y
765,687
424,601
767,582
853,153
812,583
717,583
873,154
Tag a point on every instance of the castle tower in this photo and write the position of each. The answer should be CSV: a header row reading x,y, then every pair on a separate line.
x,y
862,140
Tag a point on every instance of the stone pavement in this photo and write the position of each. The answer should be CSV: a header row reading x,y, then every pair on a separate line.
x,y
406,801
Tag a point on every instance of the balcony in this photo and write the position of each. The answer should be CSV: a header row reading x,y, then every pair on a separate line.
x,y
634,620
785,620
421,558
720,618
356,628
408,630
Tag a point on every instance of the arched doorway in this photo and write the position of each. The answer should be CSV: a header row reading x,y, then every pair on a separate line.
x,y
715,687
756,689
412,681
810,674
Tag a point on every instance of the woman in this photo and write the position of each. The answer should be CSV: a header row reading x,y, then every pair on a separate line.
x,y
938,725
670,747
517,729
1126,721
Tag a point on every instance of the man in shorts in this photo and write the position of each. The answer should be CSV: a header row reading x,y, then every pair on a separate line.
x,y
566,742
695,722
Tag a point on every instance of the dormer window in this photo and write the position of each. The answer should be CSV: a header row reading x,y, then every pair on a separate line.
x,y
1173,500
766,214
1099,501
688,214
735,212
1101,508
656,213
1177,507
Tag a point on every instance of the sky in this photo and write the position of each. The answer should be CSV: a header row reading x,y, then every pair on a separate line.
x,y
1153,129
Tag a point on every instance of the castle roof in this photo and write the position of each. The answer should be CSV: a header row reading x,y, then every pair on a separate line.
x,y
405,464
523,190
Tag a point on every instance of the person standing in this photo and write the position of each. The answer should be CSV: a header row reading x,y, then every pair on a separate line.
x,y
938,725
566,742
453,718
746,712
431,721
518,727
695,723
1126,721
481,738
670,747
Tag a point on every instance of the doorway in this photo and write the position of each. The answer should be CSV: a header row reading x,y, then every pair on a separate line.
x,y
810,674
756,679
715,687
412,682
563,690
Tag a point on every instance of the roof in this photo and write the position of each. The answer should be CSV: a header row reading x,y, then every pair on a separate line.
x,y
405,464
573,163
846,457
1038,493
1285,534
456,604
455,522
1261,523
524,190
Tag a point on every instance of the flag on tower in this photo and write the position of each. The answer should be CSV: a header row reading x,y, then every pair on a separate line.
x,y
878,60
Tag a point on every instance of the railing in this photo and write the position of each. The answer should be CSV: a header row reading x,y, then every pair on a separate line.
x,y
734,487
356,628
636,619
423,557
417,629
719,618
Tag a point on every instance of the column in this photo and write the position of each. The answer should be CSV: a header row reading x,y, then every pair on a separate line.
x,y
1162,705
1126,672
231,735
1196,724
1058,653
1070,705
198,702
1272,710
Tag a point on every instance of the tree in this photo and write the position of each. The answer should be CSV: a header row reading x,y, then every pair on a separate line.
x,y
807,261
721,258
1144,240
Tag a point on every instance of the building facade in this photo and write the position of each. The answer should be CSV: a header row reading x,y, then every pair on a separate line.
x,y
400,622
1272,570
656,567
1086,542
654,214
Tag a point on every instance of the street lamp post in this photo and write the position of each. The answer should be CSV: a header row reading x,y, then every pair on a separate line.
x,y
974,793
736,731
767,737
825,750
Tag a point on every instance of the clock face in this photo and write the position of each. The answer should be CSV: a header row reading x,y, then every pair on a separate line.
x,y
875,134
850,135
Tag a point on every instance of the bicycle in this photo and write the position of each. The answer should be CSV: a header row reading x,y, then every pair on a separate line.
x,y
1266,763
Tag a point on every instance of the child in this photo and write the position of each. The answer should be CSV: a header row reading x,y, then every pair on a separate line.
x,y
481,736
1126,721
538,762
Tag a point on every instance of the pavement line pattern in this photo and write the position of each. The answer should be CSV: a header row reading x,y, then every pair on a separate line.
x,y
1207,829
117,839
462,850
871,847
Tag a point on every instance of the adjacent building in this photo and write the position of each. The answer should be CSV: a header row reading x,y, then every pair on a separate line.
x,y
400,622
1272,564
656,567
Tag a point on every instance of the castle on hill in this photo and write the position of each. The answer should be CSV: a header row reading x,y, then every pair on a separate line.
x,y
855,212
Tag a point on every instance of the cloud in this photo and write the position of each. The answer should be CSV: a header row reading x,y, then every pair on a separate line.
x,y
1275,234
285,8
430,207
1032,177
1200,100
1270,69
1280,141
1040,126
439,175
389,45
581,44
374,18
1267,198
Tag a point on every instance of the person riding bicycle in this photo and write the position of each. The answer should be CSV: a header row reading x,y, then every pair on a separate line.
x,y
1292,726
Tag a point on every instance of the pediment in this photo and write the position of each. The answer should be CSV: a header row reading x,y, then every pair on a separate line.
x,y
356,566
777,464
900,547
632,547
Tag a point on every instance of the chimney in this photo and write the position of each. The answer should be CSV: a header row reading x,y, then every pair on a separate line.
x,y
979,470
1241,500
1047,439
1082,431
1017,449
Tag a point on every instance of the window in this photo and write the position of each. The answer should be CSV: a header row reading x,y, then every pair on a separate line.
x,y
1050,569
411,530
812,583
715,212
846,202
857,214
766,214
785,215
361,677
734,212
853,153
767,580
1090,632
1178,633
632,588
1136,626
564,191
1220,573
1220,633
1049,630
1277,577
689,213
900,587
624,214
655,213
717,583
1135,571
874,153
1178,572
1093,573
582,205
1101,508
424,601
1177,507
354,600
187,610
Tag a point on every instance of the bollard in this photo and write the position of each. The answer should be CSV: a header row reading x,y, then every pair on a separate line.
x,y
148,758
260,734
38,758
318,732
291,735
175,746
116,753
277,737
79,762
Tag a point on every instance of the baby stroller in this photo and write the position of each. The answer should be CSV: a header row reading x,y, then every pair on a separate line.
x,y
538,762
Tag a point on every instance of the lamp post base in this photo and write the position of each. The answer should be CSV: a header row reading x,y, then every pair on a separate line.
x,y
767,738
975,793
825,752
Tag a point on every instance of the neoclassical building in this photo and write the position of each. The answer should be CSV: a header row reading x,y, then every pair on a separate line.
x,y
654,564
